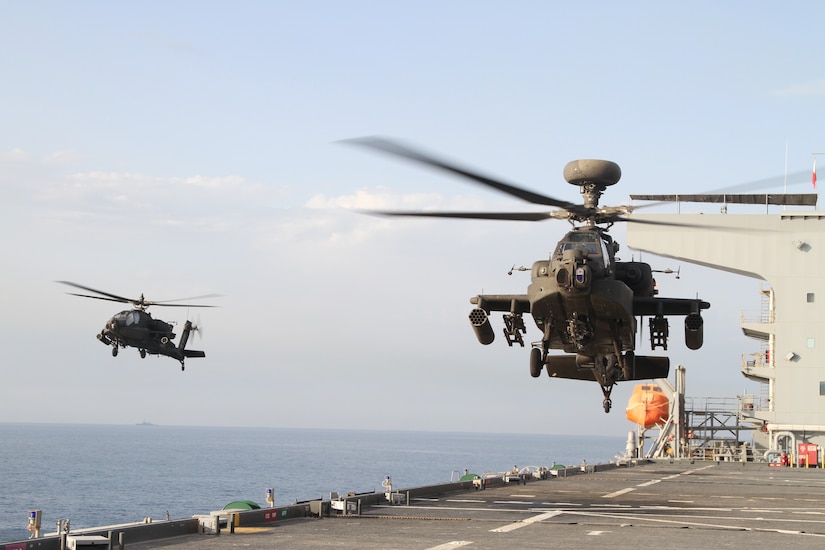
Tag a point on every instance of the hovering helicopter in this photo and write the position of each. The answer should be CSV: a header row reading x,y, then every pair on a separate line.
x,y
583,299
136,328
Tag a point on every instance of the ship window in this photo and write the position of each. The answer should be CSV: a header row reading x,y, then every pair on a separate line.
x,y
810,343
810,297
822,388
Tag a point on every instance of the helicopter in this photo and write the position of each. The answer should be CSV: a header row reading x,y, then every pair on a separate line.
x,y
582,298
138,329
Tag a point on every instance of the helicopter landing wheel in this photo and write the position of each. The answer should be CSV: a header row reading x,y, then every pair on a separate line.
x,y
607,404
114,351
182,367
536,364
143,354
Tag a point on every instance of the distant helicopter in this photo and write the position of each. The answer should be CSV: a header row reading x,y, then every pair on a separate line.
x,y
583,300
136,328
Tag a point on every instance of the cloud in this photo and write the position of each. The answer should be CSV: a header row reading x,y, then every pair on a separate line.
x,y
380,199
15,155
813,88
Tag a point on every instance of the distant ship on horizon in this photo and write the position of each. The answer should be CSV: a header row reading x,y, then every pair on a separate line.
x,y
144,423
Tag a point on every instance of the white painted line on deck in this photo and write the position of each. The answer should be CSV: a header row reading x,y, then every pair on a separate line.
x,y
523,523
649,483
652,482
688,472
619,493
453,544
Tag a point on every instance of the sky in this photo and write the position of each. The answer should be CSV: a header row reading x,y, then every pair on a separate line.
x,y
184,148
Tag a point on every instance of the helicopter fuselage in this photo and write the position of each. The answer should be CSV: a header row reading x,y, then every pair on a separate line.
x,y
576,300
137,328
584,301
586,304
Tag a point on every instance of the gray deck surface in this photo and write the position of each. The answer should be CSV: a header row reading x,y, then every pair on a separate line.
x,y
659,505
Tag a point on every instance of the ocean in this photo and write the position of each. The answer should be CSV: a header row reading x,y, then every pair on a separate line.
x,y
97,475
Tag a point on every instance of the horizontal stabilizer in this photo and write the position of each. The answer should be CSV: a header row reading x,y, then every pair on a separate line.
x,y
564,366
649,367
193,353
644,368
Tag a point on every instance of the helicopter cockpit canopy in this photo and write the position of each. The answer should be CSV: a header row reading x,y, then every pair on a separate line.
x,y
586,240
127,318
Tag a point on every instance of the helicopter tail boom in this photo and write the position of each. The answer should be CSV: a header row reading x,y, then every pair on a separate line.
x,y
184,337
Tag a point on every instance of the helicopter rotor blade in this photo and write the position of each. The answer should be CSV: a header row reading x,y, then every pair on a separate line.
x,y
111,297
139,303
99,298
511,216
394,148
677,224
197,327
164,304
167,303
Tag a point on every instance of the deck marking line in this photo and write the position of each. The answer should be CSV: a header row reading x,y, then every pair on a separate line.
x,y
453,544
688,472
643,518
649,483
519,524
619,493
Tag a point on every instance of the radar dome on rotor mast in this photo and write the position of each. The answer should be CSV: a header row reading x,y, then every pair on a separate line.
x,y
599,172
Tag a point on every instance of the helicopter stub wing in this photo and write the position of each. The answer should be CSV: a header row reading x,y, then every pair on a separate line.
x,y
648,306
514,303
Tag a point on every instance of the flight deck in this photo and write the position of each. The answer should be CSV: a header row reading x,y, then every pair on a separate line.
x,y
678,504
